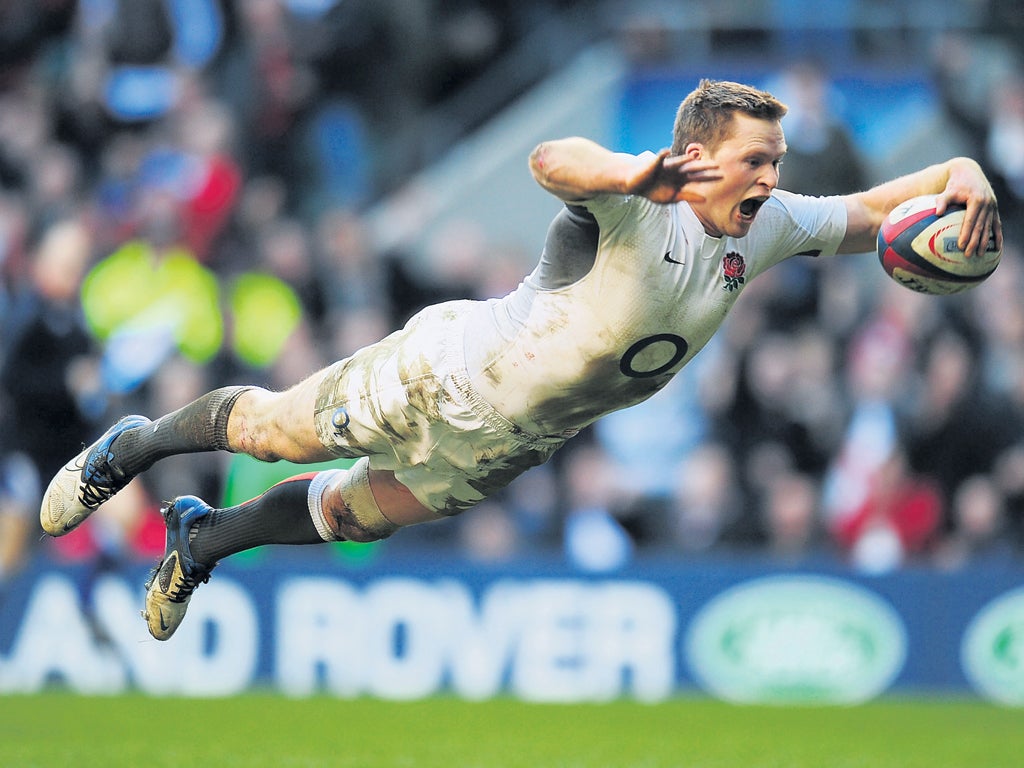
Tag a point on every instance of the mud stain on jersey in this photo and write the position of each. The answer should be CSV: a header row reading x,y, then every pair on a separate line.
x,y
599,390
497,473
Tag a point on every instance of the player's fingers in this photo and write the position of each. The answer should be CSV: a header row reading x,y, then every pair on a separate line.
x,y
986,232
973,241
968,239
709,174
704,169
646,175
986,228
980,237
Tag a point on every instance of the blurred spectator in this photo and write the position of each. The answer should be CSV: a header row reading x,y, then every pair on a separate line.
x,y
14,248
457,256
177,181
490,536
54,186
594,539
286,252
50,369
20,493
767,408
353,274
979,531
361,303
1004,148
24,131
365,129
49,374
26,26
470,35
268,86
1008,475
206,178
647,33
956,428
130,55
997,315
533,504
821,157
115,204
265,313
965,69
897,522
790,518
707,504
149,298
878,373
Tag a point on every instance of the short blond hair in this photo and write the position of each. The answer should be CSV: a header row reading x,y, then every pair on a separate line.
x,y
705,116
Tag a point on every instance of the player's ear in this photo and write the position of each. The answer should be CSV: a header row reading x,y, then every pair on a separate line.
x,y
695,151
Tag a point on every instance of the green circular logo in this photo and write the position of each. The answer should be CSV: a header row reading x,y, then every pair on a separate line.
x,y
796,639
992,651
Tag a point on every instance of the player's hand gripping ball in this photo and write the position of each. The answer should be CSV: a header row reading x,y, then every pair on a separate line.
x,y
919,250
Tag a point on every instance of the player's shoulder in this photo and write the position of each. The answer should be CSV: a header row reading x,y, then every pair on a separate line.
x,y
611,206
798,207
786,200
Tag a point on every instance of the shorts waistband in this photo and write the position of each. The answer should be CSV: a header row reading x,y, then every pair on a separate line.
x,y
455,360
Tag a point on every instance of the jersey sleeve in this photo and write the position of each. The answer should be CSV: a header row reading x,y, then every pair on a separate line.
x,y
612,210
810,226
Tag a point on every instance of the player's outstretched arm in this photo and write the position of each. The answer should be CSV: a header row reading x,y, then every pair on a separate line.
x,y
959,181
578,169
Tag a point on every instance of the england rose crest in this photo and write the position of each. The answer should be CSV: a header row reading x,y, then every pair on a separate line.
x,y
733,268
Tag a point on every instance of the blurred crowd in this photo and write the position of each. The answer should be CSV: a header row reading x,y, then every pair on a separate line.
x,y
183,187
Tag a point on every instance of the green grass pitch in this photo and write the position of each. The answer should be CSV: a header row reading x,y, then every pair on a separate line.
x,y
59,729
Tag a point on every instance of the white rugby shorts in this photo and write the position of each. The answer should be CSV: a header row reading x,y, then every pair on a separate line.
x,y
406,402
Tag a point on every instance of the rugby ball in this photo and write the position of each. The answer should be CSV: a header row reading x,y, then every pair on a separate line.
x,y
918,249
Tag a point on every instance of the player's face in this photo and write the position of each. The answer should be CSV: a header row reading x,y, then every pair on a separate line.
x,y
749,161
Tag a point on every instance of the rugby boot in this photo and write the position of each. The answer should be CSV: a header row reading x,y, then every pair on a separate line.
x,y
172,583
85,482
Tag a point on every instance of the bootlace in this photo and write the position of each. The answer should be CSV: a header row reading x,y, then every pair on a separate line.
x,y
100,482
186,584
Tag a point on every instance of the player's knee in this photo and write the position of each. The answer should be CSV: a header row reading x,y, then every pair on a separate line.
x,y
255,426
347,505
349,525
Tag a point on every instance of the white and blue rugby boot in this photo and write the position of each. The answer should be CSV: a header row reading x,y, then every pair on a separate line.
x,y
85,482
172,583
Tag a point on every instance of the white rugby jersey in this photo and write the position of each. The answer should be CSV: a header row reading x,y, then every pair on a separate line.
x,y
556,355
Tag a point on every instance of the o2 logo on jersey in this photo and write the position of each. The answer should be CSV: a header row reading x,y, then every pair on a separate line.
x,y
653,355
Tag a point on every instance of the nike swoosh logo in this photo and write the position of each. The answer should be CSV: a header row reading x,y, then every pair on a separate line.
x,y
163,625
669,259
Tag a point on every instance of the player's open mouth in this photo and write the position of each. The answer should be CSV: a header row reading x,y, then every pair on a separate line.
x,y
750,207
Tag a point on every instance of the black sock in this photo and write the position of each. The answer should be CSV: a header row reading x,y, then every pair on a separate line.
x,y
278,516
199,426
